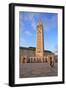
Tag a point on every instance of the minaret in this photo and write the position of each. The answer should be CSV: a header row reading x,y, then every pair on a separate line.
x,y
39,40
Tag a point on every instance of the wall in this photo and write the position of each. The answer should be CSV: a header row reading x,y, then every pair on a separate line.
x,y
4,45
27,52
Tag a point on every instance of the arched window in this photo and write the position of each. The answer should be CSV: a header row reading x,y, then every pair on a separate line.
x,y
50,58
45,59
23,59
28,60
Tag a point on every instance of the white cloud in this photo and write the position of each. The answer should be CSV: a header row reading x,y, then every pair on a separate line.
x,y
33,23
50,24
22,40
56,49
28,33
30,17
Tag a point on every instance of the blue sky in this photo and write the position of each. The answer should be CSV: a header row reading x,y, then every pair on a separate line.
x,y
27,29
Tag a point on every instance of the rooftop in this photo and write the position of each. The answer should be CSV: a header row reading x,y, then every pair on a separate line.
x,y
33,48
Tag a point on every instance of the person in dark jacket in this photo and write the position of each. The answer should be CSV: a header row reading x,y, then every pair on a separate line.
x,y
51,62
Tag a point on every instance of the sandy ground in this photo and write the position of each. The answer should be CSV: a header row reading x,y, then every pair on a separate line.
x,y
38,70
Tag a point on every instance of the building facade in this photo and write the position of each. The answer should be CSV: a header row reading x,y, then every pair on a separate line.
x,y
27,55
38,54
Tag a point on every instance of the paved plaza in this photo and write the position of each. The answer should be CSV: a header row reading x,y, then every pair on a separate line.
x,y
38,70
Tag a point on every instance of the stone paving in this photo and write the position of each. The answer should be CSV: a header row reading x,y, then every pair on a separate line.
x,y
38,70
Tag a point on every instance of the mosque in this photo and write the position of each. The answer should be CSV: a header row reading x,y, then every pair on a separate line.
x,y
37,54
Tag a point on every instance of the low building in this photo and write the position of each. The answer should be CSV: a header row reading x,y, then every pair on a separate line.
x,y
27,55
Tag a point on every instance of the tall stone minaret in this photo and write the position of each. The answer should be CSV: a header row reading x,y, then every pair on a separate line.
x,y
39,40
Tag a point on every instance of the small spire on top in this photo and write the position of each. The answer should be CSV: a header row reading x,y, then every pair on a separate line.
x,y
40,22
